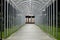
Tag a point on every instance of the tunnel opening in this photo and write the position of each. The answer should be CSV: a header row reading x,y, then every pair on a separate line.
x,y
30,19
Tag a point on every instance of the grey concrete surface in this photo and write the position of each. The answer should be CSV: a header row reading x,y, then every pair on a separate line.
x,y
30,32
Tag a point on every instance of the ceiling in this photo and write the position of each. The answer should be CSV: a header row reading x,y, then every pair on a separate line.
x,y
34,7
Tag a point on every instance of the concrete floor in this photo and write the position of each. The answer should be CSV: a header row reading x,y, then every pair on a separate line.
x,y
30,32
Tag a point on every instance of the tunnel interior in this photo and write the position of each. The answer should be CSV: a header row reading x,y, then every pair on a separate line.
x,y
15,13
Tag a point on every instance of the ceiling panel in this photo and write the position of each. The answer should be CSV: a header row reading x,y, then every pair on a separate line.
x,y
19,2
33,6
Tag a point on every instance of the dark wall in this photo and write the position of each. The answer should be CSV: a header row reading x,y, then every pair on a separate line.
x,y
58,5
1,14
1,20
58,13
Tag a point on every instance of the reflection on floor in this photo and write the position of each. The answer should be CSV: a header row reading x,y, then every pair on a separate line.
x,y
30,32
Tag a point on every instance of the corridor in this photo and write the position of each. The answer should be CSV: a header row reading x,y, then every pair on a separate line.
x,y
30,32
30,13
